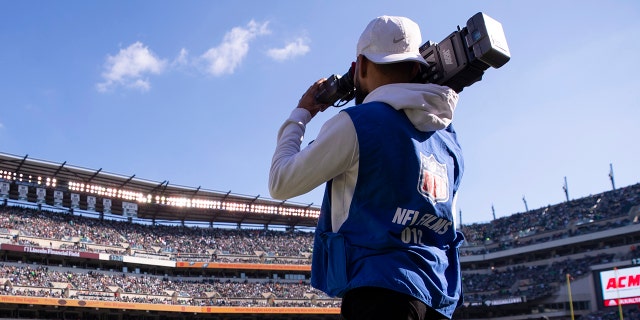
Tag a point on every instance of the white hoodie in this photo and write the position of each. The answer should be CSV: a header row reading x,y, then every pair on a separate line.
x,y
334,154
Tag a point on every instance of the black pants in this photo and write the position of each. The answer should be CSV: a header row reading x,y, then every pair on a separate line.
x,y
370,303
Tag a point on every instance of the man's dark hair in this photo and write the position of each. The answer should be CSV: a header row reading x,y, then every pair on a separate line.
x,y
399,71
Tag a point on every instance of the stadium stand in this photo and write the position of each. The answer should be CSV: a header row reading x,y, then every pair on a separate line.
x,y
58,261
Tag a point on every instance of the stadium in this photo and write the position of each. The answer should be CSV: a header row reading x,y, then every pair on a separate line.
x,y
82,243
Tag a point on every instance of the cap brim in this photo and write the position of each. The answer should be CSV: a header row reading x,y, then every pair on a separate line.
x,y
397,57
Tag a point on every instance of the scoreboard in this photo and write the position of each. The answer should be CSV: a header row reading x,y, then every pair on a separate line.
x,y
618,286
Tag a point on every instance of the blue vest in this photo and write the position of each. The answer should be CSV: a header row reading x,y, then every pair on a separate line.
x,y
399,233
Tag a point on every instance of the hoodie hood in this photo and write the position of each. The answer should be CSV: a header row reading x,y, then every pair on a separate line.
x,y
428,106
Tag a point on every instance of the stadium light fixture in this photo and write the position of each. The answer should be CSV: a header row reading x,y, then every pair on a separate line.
x,y
129,195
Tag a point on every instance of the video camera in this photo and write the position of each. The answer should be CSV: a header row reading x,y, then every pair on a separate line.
x,y
458,61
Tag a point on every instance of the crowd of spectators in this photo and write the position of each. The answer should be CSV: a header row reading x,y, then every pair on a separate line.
x,y
532,282
31,227
43,281
172,242
589,214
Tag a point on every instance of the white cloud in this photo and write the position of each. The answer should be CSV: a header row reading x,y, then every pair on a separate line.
x,y
182,58
293,49
227,56
130,67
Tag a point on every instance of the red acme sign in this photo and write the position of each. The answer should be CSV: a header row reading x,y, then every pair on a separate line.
x,y
623,282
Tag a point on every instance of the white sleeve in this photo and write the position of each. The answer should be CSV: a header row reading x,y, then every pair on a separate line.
x,y
294,171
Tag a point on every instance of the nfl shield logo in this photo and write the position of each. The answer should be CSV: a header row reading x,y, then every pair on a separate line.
x,y
433,184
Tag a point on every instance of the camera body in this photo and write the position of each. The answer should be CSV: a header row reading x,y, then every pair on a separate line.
x,y
458,61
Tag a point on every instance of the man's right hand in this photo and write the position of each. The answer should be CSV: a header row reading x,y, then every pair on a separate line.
x,y
308,100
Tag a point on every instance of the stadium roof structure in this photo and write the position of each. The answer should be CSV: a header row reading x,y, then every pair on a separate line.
x,y
157,201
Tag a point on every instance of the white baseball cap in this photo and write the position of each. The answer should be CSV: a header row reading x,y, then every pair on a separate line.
x,y
389,39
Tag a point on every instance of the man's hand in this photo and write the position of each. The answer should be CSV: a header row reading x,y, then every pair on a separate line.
x,y
308,100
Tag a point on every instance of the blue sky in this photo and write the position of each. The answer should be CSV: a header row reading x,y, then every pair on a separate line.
x,y
193,92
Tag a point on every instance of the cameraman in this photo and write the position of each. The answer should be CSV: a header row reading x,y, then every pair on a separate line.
x,y
386,240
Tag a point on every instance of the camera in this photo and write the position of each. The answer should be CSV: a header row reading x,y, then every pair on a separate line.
x,y
457,61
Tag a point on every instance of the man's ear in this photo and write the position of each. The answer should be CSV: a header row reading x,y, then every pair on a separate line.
x,y
416,69
362,66
417,73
